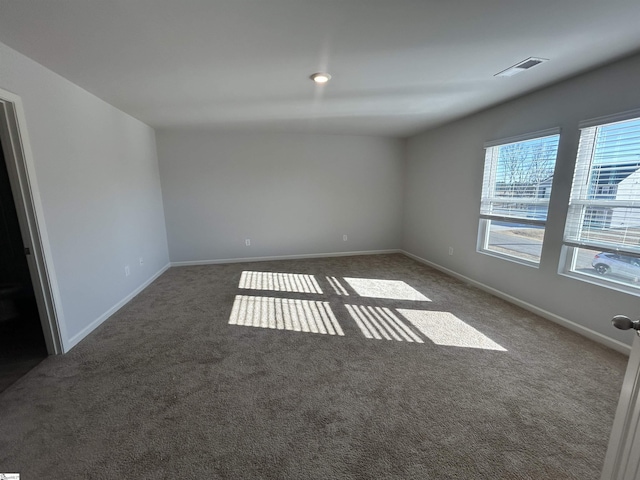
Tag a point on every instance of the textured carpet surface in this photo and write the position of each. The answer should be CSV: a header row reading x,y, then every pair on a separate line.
x,y
466,387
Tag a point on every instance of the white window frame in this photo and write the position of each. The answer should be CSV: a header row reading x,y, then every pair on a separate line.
x,y
571,243
489,179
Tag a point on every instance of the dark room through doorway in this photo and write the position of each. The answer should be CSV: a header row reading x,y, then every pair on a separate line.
x,y
22,343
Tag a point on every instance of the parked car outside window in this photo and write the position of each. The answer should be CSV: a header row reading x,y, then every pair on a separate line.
x,y
606,263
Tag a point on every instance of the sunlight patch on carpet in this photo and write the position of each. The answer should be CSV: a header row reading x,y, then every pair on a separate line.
x,y
279,282
390,289
285,314
379,323
444,328
337,286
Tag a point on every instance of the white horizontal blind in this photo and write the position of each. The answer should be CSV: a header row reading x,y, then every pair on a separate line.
x,y
517,180
604,208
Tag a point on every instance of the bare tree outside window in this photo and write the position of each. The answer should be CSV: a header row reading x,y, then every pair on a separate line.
x,y
516,189
525,167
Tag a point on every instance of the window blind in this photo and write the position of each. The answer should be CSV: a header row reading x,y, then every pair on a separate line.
x,y
517,180
604,207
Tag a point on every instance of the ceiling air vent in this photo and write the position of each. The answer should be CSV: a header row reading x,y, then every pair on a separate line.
x,y
521,67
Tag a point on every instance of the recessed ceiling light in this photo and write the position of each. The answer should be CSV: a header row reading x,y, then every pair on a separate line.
x,y
320,77
521,67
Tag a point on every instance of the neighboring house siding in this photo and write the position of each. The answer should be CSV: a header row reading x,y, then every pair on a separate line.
x,y
627,190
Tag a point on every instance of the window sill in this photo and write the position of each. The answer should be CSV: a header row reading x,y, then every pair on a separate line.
x,y
509,258
603,282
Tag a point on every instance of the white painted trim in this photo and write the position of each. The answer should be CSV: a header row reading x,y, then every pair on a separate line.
x,y
584,331
607,119
73,341
283,257
622,461
523,138
15,139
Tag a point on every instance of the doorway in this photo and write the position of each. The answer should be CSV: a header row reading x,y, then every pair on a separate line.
x,y
22,343
26,270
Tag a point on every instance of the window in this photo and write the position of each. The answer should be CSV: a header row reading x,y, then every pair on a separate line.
x,y
602,233
516,188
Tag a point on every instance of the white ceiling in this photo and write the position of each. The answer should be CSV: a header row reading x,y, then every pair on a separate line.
x,y
398,66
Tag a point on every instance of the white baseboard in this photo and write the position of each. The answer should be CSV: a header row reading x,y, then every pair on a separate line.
x,y
283,257
584,331
73,341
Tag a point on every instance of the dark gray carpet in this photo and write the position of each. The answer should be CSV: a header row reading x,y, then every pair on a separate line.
x,y
166,388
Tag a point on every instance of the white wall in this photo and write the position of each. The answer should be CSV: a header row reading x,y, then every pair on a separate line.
x,y
443,187
290,194
97,175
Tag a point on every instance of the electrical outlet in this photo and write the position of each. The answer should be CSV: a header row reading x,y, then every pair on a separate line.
x,y
127,272
247,242
141,261
450,250
344,237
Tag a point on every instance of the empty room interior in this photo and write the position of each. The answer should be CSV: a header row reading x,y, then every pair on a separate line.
x,y
284,239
